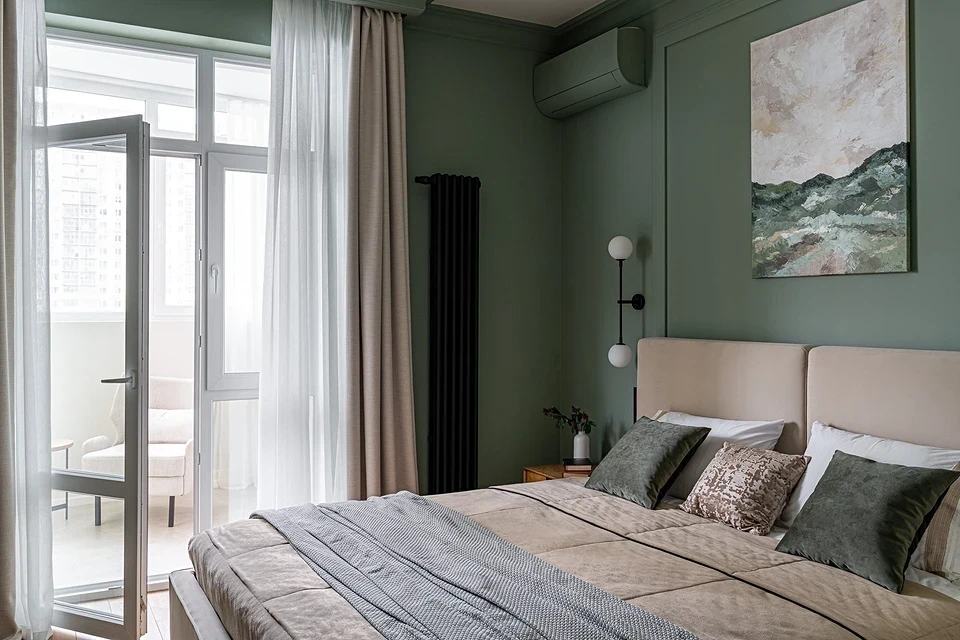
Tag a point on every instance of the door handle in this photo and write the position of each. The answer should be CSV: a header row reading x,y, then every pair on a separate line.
x,y
215,274
130,379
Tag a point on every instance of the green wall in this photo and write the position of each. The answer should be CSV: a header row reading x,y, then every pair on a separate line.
x,y
612,158
470,111
607,180
239,20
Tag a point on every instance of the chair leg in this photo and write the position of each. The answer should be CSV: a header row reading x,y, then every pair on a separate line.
x,y
170,508
96,510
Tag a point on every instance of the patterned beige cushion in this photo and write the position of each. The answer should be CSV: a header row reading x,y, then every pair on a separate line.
x,y
939,550
745,488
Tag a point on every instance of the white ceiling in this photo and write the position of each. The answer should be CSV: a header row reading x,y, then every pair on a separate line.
x,y
551,13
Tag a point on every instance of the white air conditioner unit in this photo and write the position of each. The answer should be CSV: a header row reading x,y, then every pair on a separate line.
x,y
597,71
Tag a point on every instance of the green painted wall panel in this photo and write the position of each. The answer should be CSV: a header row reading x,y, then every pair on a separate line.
x,y
608,161
607,184
239,20
470,110
709,227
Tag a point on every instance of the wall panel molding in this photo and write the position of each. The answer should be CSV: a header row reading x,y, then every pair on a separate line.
x,y
664,37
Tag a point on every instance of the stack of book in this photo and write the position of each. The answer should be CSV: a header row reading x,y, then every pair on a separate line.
x,y
577,467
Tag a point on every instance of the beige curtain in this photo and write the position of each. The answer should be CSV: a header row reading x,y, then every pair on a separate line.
x,y
381,449
8,139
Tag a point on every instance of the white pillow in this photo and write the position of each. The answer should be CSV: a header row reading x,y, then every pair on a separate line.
x,y
755,434
824,441
936,583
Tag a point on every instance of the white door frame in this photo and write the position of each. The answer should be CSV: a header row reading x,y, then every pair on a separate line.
x,y
131,488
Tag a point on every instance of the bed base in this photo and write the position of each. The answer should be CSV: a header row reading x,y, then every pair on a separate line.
x,y
192,617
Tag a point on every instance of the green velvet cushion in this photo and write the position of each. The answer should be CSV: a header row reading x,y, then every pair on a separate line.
x,y
645,461
867,517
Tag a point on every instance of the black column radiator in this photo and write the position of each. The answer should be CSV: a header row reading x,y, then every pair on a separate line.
x,y
454,298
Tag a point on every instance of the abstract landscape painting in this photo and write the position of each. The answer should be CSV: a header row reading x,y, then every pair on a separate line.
x,y
829,146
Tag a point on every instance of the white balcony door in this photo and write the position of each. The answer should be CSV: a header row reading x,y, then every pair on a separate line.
x,y
99,243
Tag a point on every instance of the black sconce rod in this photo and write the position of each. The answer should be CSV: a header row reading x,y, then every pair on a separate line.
x,y
620,302
638,302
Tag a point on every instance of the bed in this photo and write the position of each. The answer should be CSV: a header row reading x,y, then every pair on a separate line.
x,y
714,581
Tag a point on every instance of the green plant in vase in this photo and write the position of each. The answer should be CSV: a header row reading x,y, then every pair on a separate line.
x,y
579,423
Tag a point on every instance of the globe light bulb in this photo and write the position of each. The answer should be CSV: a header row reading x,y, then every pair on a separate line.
x,y
620,248
620,355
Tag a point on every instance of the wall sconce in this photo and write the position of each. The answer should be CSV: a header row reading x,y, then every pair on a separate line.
x,y
620,249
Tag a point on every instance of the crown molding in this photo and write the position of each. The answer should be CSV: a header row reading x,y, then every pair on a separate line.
x,y
588,15
603,17
609,14
449,21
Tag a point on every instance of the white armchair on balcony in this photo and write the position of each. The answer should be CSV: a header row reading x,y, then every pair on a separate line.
x,y
170,448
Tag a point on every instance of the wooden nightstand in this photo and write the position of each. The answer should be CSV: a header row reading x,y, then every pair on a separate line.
x,y
543,472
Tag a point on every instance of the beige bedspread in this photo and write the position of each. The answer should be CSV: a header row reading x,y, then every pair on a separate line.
x,y
714,581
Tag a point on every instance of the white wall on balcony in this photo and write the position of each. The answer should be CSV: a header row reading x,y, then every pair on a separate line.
x,y
83,353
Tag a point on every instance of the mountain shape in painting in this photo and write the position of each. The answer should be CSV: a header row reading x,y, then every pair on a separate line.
x,y
855,223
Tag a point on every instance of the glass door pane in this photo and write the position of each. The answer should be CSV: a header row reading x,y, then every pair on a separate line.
x,y
99,239
174,184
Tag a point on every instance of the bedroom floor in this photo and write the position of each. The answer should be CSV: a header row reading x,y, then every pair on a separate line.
x,y
158,617
101,558
85,554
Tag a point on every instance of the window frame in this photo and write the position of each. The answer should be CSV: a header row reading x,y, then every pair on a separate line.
x,y
217,378
200,147
160,311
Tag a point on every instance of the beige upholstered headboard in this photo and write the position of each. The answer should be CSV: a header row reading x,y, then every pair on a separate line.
x,y
891,393
730,380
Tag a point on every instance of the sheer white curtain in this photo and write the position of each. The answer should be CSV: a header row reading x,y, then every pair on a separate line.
x,y
302,407
25,524
235,422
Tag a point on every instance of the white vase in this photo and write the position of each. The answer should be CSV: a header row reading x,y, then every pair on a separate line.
x,y
581,445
